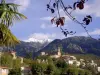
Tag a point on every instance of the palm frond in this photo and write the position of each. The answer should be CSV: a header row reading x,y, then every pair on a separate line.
x,y
8,38
9,13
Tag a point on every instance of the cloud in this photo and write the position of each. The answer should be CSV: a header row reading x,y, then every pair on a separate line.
x,y
24,4
46,18
45,26
42,37
92,8
95,32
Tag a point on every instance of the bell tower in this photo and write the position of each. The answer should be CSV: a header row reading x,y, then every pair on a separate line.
x,y
59,51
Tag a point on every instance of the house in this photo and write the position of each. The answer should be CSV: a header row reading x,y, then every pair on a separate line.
x,y
4,70
43,53
14,54
70,62
26,71
82,60
93,63
98,68
78,63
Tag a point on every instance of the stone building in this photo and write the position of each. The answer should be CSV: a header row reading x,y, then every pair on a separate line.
x,y
4,70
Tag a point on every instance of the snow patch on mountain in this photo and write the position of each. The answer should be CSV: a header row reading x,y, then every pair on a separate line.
x,y
41,37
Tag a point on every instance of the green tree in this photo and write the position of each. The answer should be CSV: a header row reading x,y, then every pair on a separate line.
x,y
5,60
72,71
15,72
16,63
61,64
81,72
88,72
8,14
51,69
38,68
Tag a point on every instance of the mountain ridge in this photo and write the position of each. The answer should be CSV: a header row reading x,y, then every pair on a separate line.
x,y
75,45
71,45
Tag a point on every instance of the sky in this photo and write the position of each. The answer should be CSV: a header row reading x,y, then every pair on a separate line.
x,y
37,26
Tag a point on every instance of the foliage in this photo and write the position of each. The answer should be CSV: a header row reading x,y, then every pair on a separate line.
x,y
50,69
8,38
16,63
15,72
8,14
61,64
8,61
5,60
38,69
57,5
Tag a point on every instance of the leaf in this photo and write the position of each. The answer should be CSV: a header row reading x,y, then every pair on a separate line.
x,y
65,33
89,17
74,5
71,31
48,6
61,21
80,5
87,22
52,10
54,5
52,20
63,18
57,23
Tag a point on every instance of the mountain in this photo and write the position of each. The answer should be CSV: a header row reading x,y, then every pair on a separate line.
x,y
75,45
71,45
26,48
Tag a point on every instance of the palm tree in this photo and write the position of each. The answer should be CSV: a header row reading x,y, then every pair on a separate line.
x,y
8,14
8,38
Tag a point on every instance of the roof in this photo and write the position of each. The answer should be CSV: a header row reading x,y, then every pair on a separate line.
x,y
3,67
27,68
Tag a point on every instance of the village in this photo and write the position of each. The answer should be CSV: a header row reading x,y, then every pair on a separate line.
x,y
69,59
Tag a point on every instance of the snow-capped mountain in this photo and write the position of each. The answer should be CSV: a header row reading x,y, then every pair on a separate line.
x,y
41,37
38,40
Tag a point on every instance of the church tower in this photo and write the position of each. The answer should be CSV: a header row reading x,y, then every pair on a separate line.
x,y
59,51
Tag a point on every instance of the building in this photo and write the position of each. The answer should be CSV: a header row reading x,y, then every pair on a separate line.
x,y
4,70
98,69
56,55
43,53
78,63
26,71
14,54
22,60
93,63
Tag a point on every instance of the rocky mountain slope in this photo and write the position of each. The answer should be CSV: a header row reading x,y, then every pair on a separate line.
x,y
75,45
